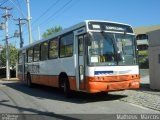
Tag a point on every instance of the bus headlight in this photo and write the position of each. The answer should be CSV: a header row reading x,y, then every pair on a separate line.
x,y
99,79
134,83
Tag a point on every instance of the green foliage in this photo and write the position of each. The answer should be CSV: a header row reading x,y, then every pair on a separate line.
x,y
13,56
51,30
143,53
143,59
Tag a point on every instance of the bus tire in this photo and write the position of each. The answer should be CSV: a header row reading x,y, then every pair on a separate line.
x,y
29,83
66,87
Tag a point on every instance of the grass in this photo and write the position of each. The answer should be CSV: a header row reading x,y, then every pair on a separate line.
x,y
143,59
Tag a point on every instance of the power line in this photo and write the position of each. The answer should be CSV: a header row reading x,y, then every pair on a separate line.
x,y
19,10
3,3
60,9
64,10
19,5
47,10
55,13
6,16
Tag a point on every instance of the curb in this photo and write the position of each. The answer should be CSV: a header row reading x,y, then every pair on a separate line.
x,y
11,79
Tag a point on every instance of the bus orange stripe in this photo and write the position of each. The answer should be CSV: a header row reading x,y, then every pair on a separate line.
x,y
92,83
116,78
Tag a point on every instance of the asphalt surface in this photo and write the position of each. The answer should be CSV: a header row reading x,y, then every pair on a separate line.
x,y
17,98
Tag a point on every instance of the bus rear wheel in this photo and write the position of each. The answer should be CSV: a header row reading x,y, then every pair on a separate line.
x,y
29,83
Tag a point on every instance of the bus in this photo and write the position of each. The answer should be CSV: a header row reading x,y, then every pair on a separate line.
x,y
92,56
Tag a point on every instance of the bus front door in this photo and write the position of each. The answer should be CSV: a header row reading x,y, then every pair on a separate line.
x,y
81,62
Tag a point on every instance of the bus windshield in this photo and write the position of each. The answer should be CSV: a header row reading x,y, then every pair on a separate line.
x,y
111,49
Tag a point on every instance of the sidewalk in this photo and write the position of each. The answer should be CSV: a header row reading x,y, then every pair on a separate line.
x,y
144,96
11,79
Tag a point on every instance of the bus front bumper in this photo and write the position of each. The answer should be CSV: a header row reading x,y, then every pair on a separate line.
x,y
94,87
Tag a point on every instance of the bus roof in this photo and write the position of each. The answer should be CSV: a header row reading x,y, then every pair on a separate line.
x,y
74,27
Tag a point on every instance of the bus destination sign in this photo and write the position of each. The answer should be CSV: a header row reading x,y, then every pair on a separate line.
x,y
106,26
115,28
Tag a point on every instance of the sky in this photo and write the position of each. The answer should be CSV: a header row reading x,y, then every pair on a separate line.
x,y
49,13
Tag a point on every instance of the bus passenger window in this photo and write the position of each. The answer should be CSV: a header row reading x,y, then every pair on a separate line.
x,y
66,45
20,57
36,53
30,55
44,51
53,49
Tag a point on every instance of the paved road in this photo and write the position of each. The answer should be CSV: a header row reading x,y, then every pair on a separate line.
x,y
16,97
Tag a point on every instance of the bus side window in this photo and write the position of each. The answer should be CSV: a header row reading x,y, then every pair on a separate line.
x,y
66,45
30,55
20,57
44,51
53,49
36,53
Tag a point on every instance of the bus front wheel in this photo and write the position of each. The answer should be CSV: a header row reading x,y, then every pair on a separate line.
x,y
66,87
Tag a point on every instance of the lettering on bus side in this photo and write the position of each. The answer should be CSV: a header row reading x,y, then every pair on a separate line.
x,y
33,68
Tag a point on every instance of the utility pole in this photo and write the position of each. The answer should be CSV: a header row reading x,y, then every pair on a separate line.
x,y
29,22
7,48
20,31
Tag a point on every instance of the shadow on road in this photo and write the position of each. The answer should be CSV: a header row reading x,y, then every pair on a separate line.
x,y
43,92
40,115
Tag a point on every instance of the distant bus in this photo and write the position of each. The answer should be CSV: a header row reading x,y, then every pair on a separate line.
x,y
92,56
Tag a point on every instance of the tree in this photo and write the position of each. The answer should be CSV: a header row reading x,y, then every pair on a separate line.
x,y
51,30
13,56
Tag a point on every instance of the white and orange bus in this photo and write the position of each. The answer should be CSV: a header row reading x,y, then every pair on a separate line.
x,y
92,56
